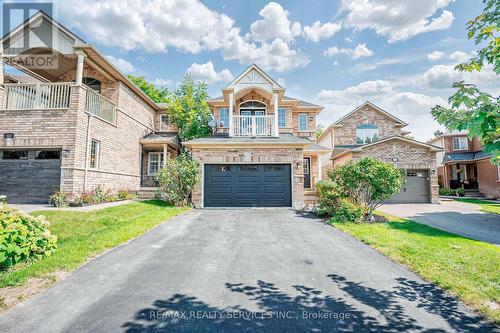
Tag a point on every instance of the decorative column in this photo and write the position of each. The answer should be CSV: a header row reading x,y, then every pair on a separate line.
x,y
79,68
1,64
165,154
276,131
231,123
319,167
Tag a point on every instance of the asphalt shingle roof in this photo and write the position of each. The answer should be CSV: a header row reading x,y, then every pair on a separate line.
x,y
451,157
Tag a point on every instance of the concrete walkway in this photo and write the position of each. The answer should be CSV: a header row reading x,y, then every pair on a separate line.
x,y
270,270
460,218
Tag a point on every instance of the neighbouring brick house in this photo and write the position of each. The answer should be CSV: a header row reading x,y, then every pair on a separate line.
x,y
76,125
463,163
263,151
369,131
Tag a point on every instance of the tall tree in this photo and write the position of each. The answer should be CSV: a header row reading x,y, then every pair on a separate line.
x,y
157,94
471,109
189,109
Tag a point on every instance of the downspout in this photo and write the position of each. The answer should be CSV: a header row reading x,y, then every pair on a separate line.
x,y
87,153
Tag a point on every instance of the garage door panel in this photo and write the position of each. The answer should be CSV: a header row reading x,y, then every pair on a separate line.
x,y
29,180
415,188
253,185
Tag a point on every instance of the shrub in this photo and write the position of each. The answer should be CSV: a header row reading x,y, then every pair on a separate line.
x,y
23,237
447,191
3,199
109,196
98,194
59,198
347,211
125,194
367,182
327,197
461,191
177,179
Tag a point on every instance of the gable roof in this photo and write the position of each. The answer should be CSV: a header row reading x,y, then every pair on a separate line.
x,y
391,138
275,84
376,108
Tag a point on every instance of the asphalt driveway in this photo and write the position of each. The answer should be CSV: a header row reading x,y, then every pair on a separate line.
x,y
460,218
242,271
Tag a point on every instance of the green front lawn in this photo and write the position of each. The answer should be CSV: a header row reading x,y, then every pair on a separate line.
x,y
485,206
82,235
468,269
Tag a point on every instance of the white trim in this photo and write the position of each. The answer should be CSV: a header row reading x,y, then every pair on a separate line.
x,y
260,71
160,161
459,138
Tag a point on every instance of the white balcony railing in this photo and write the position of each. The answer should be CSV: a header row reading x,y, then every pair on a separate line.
x,y
100,106
253,126
37,96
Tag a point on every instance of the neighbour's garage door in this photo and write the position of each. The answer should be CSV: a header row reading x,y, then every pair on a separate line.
x,y
415,189
247,185
29,176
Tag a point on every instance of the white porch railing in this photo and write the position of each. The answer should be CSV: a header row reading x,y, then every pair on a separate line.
x,y
100,106
37,96
253,126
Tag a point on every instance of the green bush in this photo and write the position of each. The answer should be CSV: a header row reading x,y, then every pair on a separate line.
x,y
23,237
447,191
347,211
177,179
59,198
98,194
327,197
125,194
461,191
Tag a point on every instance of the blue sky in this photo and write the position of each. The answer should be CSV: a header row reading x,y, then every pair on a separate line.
x,y
398,54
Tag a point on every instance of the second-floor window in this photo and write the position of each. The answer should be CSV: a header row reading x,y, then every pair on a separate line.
x,y
366,134
224,117
281,117
164,122
94,154
303,122
460,143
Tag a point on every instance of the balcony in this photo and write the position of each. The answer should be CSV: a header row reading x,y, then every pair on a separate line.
x,y
53,96
253,126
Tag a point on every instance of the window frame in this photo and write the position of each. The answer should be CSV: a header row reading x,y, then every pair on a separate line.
x,y
162,123
284,115
364,130
227,119
459,138
97,154
306,123
498,173
306,160
160,162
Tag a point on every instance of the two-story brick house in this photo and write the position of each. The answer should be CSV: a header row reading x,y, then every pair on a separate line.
x,y
263,151
463,163
369,131
75,125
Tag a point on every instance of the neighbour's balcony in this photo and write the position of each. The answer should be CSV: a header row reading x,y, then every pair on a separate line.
x,y
53,96
253,126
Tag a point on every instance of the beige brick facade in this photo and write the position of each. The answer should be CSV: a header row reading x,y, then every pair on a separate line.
x,y
248,155
345,130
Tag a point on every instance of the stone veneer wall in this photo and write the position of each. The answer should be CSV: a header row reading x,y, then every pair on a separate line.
x,y
410,156
253,155
346,134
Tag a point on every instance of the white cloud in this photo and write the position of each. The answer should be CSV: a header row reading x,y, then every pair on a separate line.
x,y
409,106
188,26
398,20
435,55
162,82
370,66
319,31
359,51
122,64
276,55
443,76
458,57
206,72
274,24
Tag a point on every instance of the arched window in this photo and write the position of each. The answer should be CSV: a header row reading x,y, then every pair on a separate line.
x,y
92,83
366,133
252,108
